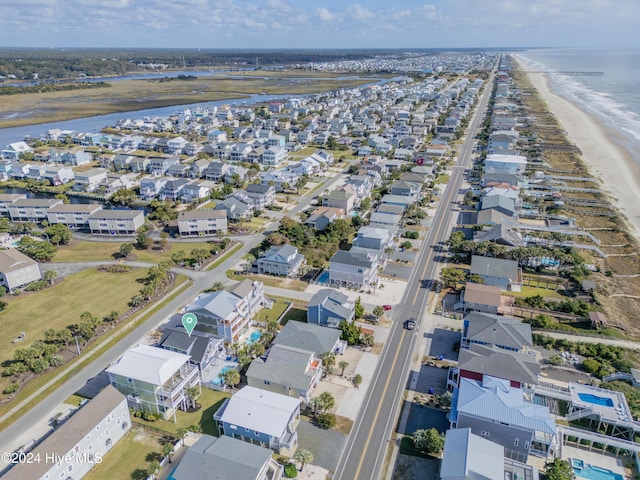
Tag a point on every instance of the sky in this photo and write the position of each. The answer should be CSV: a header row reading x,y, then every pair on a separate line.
x,y
319,23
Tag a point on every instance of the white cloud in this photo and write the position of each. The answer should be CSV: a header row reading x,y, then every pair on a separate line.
x,y
325,15
358,12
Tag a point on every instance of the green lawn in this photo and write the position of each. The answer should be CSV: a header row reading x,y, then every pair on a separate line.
x,y
544,292
61,305
85,251
210,400
274,313
129,458
297,314
74,400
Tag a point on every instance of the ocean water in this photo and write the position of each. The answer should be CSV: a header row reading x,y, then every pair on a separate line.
x,y
613,97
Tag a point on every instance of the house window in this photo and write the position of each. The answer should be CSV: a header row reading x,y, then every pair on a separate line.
x,y
516,442
246,429
526,445
256,433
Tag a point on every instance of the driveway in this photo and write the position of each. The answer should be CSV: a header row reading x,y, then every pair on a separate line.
x,y
426,418
397,270
326,445
443,342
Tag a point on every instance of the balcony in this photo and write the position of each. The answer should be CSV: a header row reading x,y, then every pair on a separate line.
x,y
180,380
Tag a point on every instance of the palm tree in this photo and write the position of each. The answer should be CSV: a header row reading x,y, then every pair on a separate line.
x,y
167,450
303,456
153,468
378,312
328,361
326,401
388,251
343,365
231,378
192,393
181,433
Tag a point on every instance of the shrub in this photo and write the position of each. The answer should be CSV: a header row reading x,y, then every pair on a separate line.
x,y
590,365
36,286
326,420
556,360
11,388
290,471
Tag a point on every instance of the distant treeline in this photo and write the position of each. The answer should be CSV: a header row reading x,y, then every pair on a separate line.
x,y
179,77
24,63
51,87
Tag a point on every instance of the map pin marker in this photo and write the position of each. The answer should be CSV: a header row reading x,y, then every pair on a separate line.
x,y
189,322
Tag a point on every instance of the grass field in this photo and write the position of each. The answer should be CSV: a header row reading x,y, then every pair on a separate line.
x,y
128,458
271,281
211,401
131,95
273,313
544,292
86,251
61,305
296,314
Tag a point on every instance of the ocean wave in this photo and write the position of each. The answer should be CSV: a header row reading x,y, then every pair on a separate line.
x,y
597,102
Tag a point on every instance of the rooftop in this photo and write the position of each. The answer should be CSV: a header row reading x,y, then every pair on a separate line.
x,y
149,364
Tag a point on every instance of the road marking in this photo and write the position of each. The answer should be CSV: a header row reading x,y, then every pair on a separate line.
x,y
375,417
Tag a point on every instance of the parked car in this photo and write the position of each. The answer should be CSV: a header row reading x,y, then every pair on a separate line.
x,y
386,307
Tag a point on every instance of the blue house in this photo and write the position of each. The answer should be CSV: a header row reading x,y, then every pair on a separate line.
x,y
264,418
487,329
329,307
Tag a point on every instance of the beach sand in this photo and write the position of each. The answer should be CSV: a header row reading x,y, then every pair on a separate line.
x,y
607,160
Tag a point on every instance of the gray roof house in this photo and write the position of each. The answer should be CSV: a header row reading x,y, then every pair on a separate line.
x,y
202,222
507,333
328,307
502,414
310,337
17,270
282,260
90,433
375,238
286,370
497,272
235,208
500,234
203,348
353,269
261,417
228,459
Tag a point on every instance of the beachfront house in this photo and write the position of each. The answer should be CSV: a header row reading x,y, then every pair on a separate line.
x,y
281,260
329,307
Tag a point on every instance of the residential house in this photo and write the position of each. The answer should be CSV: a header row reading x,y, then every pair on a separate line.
x,y
500,163
228,313
160,165
6,167
16,150
486,329
175,146
76,157
343,198
321,217
172,189
481,298
236,210
239,152
7,199
202,223
397,200
281,260
389,209
229,459
500,234
352,270
470,456
274,156
72,215
117,181
374,238
197,190
204,350
154,380
58,175
498,272
498,412
198,168
116,222
216,170
31,209
279,179
261,195
89,180
17,270
150,187
235,174
286,370
384,220
179,170
81,442
261,417
255,155
329,307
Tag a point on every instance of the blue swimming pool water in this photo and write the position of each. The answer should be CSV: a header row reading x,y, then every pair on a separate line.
x,y
218,379
596,400
255,336
323,277
596,473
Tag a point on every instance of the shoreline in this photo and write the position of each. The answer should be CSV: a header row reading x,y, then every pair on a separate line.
x,y
605,157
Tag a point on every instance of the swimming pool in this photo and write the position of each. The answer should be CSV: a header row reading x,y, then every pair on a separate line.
x,y
254,337
596,400
596,473
323,277
218,379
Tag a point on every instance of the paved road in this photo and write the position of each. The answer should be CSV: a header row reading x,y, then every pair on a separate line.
x,y
365,451
18,433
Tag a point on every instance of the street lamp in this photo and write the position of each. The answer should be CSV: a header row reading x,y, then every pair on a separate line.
x,y
443,306
77,345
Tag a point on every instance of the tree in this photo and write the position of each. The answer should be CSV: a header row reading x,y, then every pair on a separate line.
x,y
125,249
378,312
429,441
143,241
358,308
167,450
325,402
193,393
444,399
50,276
388,251
406,245
217,287
328,362
59,234
164,240
342,365
39,251
559,469
350,332
181,433
153,468
125,197
303,456
357,380
231,378
326,420
199,255
451,276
